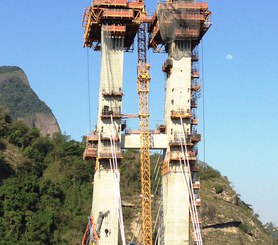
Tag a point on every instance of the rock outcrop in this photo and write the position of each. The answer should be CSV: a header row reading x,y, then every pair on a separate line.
x,y
23,103
8,73
45,122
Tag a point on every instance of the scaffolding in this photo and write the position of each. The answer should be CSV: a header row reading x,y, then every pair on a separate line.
x,y
120,17
176,28
179,20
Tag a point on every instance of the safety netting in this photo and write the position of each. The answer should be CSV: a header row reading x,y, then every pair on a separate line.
x,y
179,20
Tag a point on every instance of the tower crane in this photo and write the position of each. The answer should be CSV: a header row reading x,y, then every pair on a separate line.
x,y
143,80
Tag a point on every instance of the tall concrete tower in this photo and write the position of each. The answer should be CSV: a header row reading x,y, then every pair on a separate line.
x,y
106,185
178,27
110,26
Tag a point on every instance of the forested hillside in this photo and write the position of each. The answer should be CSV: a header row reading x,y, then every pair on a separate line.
x,y
46,192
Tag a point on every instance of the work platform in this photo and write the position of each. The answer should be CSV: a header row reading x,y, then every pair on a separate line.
x,y
179,20
118,17
157,141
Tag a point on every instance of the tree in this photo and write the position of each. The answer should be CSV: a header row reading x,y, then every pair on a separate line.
x,y
17,134
5,121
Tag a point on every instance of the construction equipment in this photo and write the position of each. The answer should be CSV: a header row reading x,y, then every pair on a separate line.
x,y
92,232
177,27
143,80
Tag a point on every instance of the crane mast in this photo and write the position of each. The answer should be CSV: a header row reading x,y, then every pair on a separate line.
x,y
143,80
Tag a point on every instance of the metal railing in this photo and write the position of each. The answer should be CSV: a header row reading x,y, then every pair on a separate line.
x,y
112,91
108,111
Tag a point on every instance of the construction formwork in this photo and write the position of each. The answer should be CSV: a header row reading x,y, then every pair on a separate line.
x,y
178,20
120,17
177,28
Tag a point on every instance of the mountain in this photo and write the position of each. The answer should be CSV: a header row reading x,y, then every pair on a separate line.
x,y
226,219
22,102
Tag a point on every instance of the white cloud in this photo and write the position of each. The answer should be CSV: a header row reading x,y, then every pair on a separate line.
x,y
229,57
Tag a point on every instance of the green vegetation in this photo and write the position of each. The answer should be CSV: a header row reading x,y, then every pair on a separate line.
x,y
244,227
46,196
219,189
208,172
20,99
46,192
226,218
5,69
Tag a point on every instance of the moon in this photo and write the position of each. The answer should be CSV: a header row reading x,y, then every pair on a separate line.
x,y
229,57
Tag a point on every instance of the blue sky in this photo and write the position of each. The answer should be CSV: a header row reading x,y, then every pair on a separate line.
x,y
45,38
